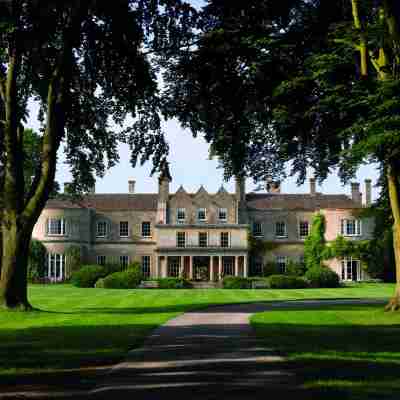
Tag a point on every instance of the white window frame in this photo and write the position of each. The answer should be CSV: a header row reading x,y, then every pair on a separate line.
x,y
300,226
105,229
146,266
229,240
177,239
99,257
127,229
62,227
260,232
205,214
203,233
178,211
284,229
281,260
149,235
344,225
56,272
122,264
344,273
222,211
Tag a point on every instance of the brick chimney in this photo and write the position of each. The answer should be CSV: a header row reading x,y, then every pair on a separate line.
x,y
355,192
368,192
131,186
313,186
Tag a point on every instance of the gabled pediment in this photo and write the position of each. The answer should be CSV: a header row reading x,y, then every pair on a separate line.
x,y
181,190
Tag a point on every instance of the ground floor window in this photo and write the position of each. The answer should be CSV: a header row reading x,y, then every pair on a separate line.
x,y
173,266
351,270
124,261
101,260
56,267
228,266
146,266
281,264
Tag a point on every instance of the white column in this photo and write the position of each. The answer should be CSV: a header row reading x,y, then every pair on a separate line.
x,y
181,266
245,272
191,268
211,268
236,266
219,267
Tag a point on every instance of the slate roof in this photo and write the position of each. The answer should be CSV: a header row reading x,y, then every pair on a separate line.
x,y
266,201
110,202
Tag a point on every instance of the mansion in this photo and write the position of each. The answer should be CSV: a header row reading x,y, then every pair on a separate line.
x,y
200,236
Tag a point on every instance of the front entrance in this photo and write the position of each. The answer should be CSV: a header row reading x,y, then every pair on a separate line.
x,y
201,268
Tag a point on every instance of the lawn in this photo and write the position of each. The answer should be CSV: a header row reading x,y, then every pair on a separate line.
x,y
337,352
84,330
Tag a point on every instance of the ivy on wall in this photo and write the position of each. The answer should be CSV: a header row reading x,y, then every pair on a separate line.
x,y
314,245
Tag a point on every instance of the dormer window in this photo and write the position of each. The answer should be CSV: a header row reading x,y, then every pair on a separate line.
x,y
180,215
222,214
201,214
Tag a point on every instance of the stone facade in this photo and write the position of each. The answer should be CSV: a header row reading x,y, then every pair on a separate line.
x,y
197,235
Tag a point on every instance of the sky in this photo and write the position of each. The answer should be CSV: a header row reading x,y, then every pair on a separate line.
x,y
190,167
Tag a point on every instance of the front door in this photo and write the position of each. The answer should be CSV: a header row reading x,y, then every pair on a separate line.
x,y
201,268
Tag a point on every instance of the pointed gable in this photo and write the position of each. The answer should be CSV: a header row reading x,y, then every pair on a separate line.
x,y
181,190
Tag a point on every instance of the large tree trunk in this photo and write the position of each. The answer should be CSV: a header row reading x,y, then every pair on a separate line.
x,y
394,196
14,261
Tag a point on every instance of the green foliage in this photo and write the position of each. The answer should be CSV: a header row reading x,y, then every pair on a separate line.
x,y
173,283
294,268
322,277
314,245
73,256
111,268
236,282
128,279
88,275
287,282
36,261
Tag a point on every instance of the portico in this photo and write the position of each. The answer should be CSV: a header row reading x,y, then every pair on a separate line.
x,y
200,266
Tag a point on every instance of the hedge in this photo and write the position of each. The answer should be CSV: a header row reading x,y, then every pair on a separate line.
x,y
322,277
236,282
173,283
128,279
287,282
88,275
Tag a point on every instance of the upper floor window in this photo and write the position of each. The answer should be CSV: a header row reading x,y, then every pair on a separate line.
x,y
180,239
56,226
180,215
224,239
351,227
101,230
303,229
146,229
201,214
101,260
123,229
257,229
124,261
146,266
281,264
222,214
203,242
280,229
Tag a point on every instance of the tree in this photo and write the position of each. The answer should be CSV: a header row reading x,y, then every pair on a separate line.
x,y
87,64
329,78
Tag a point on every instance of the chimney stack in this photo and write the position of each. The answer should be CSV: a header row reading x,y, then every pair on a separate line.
x,y
313,190
355,192
368,192
240,187
131,186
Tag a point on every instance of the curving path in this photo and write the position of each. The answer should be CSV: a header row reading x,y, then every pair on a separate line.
x,y
207,354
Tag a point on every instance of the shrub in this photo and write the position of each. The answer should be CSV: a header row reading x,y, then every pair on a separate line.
x,y
128,279
36,261
322,277
88,275
99,284
287,282
236,282
270,268
295,268
259,283
111,268
173,283
73,257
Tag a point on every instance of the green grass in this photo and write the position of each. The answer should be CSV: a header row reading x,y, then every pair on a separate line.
x,y
338,352
82,330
